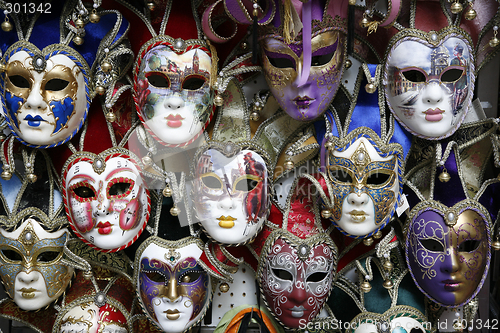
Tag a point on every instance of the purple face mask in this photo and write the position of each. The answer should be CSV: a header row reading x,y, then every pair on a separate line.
x,y
303,87
448,253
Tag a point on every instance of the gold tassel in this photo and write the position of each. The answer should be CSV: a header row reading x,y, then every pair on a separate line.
x,y
215,61
288,21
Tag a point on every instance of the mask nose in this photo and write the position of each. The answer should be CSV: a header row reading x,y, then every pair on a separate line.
x,y
27,278
172,292
35,100
433,93
357,199
174,102
451,263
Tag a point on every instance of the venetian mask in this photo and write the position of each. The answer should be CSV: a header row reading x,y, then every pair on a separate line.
x,y
231,194
304,94
106,199
365,182
174,289
32,268
448,251
173,91
430,83
46,97
296,279
89,318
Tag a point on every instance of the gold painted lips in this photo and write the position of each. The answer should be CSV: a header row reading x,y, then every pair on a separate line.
x,y
172,314
27,293
358,216
226,222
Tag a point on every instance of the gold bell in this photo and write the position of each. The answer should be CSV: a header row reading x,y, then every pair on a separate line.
x,y
368,241
370,88
289,165
94,17
151,6
365,287
87,275
167,192
79,23
111,117
388,284
32,177
174,211
78,40
364,22
146,160
377,235
6,175
106,67
254,116
326,213
456,7
470,14
388,266
348,64
224,287
495,245
494,41
329,145
218,100
255,12
6,26
444,177
100,90
244,46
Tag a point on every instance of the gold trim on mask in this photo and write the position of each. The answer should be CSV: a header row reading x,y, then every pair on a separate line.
x,y
17,68
59,72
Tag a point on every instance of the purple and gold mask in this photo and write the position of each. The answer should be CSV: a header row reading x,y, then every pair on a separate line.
x,y
430,81
173,288
448,250
303,65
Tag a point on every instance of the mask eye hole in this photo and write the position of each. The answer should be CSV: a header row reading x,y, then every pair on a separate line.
x,y
451,75
414,75
193,82
158,80
280,62
321,60
47,257
155,276
416,330
11,255
469,245
432,245
212,182
283,274
19,81
378,179
190,277
84,192
340,175
317,277
119,189
246,184
56,85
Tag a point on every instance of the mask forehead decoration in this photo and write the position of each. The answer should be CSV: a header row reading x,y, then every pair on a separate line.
x,y
448,234
303,50
297,259
232,172
363,161
101,303
173,288
35,267
106,198
50,78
